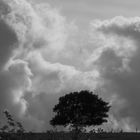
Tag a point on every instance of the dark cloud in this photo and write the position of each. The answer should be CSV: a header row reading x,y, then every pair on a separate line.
x,y
8,42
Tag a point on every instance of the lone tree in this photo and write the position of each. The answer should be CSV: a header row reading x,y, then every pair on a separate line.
x,y
79,110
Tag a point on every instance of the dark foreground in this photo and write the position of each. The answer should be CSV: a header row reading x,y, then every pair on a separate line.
x,y
68,136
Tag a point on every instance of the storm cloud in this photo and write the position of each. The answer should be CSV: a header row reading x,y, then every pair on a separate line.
x,y
43,56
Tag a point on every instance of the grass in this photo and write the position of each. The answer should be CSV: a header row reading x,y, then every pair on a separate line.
x,y
69,136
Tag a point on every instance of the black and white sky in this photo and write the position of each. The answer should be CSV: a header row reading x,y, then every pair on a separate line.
x,y
49,48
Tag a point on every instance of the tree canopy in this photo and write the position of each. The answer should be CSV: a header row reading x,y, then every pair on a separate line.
x,y
80,109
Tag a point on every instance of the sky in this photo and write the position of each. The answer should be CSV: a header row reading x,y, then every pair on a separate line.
x,y
85,10
49,48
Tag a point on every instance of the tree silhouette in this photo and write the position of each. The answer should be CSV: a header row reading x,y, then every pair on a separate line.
x,y
79,110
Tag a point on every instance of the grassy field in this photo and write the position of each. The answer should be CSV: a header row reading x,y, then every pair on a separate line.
x,y
68,136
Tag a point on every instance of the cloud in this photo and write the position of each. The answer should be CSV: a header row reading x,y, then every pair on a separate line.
x,y
43,57
118,64
37,65
8,41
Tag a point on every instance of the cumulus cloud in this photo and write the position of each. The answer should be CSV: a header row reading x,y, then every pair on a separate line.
x,y
37,65
118,64
43,57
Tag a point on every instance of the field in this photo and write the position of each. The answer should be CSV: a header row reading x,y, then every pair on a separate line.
x,y
68,136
